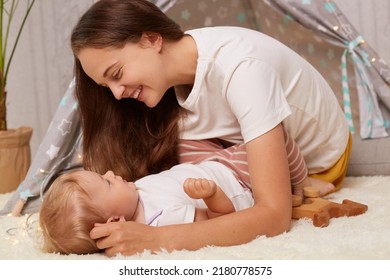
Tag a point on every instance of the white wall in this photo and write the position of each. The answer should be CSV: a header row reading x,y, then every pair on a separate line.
x,y
43,63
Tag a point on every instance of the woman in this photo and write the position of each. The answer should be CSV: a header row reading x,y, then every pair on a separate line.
x,y
142,84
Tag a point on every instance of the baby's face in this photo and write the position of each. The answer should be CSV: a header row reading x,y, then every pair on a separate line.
x,y
114,195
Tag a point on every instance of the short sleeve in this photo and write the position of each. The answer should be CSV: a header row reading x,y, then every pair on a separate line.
x,y
256,97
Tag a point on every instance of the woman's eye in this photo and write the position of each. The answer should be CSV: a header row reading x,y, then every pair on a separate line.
x,y
117,74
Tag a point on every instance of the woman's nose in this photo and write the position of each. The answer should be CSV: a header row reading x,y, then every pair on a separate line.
x,y
117,91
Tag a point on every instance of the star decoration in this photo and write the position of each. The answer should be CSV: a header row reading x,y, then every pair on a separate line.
x,y
52,152
202,6
63,101
65,127
241,17
185,15
208,21
330,7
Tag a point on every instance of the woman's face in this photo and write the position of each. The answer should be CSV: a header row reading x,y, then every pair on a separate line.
x,y
134,71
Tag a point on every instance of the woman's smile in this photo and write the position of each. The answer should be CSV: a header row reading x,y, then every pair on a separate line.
x,y
136,93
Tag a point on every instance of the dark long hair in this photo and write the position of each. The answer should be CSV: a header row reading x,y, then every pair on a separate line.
x,y
124,135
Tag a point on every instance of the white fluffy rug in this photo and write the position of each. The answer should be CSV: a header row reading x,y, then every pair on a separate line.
x,y
359,238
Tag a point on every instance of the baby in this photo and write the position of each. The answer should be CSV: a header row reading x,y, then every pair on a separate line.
x,y
76,201
80,199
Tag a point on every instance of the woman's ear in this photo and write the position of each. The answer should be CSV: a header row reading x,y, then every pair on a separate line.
x,y
152,39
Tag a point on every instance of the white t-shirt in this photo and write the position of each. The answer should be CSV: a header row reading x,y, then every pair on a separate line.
x,y
246,83
166,203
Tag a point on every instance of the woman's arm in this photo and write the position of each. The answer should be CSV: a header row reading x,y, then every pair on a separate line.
x,y
270,215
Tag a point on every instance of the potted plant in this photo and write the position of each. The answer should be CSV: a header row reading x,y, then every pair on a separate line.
x,y
15,154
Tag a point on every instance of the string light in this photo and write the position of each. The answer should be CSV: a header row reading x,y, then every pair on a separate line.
x,y
43,171
29,228
51,173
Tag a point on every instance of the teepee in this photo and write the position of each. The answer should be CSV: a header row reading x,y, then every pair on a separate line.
x,y
317,30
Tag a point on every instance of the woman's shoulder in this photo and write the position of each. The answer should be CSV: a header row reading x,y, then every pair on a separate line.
x,y
234,39
221,30
224,41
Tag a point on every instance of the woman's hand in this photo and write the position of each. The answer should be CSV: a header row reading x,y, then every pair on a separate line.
x,y
126,238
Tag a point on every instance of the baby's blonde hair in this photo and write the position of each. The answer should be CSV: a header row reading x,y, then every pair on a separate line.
x,y
67,215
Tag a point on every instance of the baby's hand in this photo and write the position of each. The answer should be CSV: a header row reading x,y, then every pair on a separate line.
x,y
199,188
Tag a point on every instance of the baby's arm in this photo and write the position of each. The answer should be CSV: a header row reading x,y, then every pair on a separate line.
x,y
216,200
